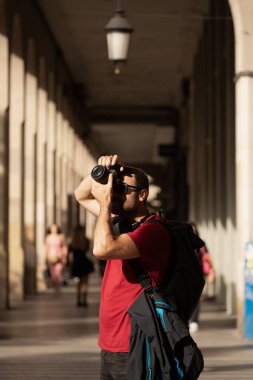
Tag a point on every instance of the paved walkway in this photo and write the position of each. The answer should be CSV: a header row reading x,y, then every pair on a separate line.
x,y
50,338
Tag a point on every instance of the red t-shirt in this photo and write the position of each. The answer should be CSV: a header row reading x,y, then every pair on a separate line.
x,y
120,287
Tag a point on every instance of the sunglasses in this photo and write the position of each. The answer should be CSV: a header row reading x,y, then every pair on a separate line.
x,y
129,188
124,188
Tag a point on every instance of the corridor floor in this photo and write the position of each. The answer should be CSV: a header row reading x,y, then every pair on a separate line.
x,y
48,337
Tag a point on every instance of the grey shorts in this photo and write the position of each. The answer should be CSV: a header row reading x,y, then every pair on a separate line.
x,y
113,365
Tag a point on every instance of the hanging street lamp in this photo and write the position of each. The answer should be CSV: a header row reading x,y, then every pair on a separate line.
x,y
118,33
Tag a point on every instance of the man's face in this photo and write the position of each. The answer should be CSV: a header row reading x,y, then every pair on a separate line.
x,y
126,204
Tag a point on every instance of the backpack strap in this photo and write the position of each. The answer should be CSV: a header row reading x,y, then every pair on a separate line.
x,y
141,274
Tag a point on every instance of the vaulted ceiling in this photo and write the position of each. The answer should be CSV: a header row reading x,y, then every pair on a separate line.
x,y
162,48
128,110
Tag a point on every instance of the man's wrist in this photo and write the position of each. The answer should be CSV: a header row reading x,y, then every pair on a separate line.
x,y
105,207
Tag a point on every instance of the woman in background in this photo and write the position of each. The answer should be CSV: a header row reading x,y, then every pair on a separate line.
x,y
56,255
81,265
209,274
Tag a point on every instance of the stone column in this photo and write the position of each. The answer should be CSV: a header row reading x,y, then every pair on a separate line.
x,y
219,148
16,125
72,220
4,116
29,171
51,146
242,12
64,166
58,155
40,173
230,170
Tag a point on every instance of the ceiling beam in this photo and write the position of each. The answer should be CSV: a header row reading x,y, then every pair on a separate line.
x,y
161,115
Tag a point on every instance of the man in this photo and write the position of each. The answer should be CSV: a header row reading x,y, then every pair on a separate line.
x,y
149,242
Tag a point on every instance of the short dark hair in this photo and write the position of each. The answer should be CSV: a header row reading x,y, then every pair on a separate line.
x,y
141,177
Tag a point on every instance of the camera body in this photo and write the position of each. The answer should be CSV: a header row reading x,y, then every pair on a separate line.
x,y
100,174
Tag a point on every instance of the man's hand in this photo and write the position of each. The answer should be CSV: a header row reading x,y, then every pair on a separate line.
x,y
85,194
108,160
103,193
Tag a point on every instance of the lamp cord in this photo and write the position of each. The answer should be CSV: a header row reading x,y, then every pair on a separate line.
x,y
119,5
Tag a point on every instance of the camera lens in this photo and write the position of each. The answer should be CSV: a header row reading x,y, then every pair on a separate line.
x,y
100,174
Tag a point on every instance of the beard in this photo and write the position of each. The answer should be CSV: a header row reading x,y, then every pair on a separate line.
x,y
117,208
120,207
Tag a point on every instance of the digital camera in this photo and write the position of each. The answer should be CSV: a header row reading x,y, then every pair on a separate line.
x,y
100,174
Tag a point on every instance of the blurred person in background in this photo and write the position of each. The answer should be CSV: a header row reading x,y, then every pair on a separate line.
x,y
81,265
56,255
209,274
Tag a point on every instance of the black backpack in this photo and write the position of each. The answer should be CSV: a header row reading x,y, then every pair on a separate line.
x,y
185,275
161,347
160,337
185,280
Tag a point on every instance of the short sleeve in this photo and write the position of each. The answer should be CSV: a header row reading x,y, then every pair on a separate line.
x,y
154,245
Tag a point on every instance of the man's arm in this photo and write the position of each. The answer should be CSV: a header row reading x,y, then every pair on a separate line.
x,y
106,246
85,198
83,191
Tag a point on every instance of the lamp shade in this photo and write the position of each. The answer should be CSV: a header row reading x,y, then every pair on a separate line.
x,y
118,32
